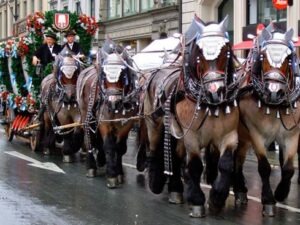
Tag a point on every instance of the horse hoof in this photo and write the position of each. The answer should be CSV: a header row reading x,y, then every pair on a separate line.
x,y
120,179
175,198
241,199
91,173
46,151
112,182
268,210
68,159
197,211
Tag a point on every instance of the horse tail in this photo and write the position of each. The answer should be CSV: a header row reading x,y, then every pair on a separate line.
x,y
211,168
142,143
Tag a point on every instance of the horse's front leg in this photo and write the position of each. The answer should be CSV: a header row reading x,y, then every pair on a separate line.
x,y
220,188
264,170
239,187
289,150
48,135
155,159
195,195
175,185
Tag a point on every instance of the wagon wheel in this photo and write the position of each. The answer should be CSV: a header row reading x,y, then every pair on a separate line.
x,y
35,137
9,132
35,140
8,128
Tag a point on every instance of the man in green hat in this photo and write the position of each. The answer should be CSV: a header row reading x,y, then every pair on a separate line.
x,y
71,44
47,51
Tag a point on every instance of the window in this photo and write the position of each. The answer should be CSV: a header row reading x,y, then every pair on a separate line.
x,y
130,7
93,8
263,11
32,6
267,12
147,4
114,8
168,2
65,8
78,8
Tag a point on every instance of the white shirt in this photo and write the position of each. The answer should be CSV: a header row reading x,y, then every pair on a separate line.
x,y
50,48
70,46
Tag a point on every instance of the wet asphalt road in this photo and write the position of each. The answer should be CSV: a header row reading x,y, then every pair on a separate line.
x,y
31,195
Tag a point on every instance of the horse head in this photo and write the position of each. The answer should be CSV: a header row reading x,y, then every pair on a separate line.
x,y
208,61
67,69
274,67
116,78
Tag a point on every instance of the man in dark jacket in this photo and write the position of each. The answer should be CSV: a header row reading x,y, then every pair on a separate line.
x,y
47,52
71,44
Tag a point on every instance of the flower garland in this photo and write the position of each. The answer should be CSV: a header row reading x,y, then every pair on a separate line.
x,y
89,24
35,23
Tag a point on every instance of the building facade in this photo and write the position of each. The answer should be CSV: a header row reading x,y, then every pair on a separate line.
x,y
138,22
244,15
13,15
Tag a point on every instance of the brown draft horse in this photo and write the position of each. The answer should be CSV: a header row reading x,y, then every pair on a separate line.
x,y
183,109
207,115
113,104
269,113
59,106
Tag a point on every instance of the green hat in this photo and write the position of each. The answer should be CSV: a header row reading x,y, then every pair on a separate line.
x,y
50,34
70,32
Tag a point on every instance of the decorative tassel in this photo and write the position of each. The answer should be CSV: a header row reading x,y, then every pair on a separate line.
x,y
209,112
227,110
295,105
268,111
69,107
217,112
259,103
63,105
235,103
123,112
287,111
278,114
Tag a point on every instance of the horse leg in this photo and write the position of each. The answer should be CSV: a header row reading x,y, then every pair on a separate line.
x,y
67,150
239,187
211,169
175,186
298,151
142,139
112,159
195,195
121,150
48,138
289,150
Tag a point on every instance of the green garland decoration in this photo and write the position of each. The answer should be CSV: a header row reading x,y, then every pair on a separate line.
x,y
16,66
5,79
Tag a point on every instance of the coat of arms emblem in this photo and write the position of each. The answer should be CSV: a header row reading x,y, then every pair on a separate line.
x,y
61,21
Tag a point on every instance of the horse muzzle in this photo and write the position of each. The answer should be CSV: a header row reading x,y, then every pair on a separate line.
x,y
215,87
114,99
275,88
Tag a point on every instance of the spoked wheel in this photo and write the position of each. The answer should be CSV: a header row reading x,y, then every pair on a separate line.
x,y
35,137
9,132
35,140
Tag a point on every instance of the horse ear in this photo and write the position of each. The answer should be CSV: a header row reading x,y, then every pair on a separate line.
x,y
271,27
200,24
224,24
289,34
266,35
